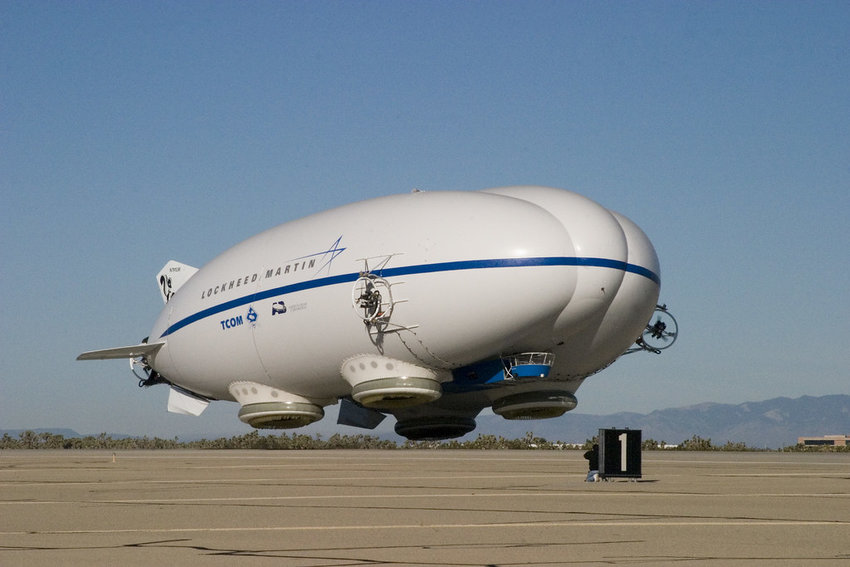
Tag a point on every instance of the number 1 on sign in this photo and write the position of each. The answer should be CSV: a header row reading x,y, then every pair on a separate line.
x,y
623,452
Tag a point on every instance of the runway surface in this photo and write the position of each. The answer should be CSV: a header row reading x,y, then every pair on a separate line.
x,y
353,508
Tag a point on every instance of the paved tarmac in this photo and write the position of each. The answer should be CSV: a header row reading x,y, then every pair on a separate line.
x,y
467,508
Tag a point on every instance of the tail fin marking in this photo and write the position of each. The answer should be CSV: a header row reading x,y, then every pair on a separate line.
x,y
172,276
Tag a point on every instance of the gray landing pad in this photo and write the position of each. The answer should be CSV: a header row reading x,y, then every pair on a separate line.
x,y
350,508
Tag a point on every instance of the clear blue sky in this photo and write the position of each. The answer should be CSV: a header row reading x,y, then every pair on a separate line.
x,y
134,133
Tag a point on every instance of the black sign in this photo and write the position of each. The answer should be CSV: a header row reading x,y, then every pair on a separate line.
x,y
619,453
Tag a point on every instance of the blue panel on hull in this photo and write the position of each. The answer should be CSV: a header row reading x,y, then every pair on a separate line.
x,y
485,372
530,371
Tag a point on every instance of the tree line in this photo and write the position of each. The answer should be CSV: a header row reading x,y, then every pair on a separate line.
x,y
299,441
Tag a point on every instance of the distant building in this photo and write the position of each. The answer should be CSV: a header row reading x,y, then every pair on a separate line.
x,y
827,440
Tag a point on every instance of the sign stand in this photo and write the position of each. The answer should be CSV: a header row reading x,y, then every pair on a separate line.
x,y
619,453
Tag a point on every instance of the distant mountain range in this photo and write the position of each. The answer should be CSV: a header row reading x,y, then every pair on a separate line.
x,y
771,424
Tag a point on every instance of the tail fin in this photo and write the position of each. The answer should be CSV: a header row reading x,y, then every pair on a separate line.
x,y
172,276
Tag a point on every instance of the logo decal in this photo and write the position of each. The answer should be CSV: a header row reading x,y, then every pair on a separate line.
x,y
231,323
165,284
278,307
334,251
294,266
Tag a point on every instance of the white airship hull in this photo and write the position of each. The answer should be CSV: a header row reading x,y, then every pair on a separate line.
x,y
428,291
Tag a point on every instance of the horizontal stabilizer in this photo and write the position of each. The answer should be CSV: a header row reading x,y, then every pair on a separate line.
x,y
185,403
356,415
144,349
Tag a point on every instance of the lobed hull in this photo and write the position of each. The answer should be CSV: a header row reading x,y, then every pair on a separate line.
x,y
408,304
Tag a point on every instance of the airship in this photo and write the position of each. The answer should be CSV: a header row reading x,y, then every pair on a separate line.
x,y
429,306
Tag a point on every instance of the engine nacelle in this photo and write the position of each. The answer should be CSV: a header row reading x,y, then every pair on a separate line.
x,y
265,407
280,415
381,382
434,428
534,405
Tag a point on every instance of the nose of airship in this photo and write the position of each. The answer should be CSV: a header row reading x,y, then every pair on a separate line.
x,y
597,240
617,277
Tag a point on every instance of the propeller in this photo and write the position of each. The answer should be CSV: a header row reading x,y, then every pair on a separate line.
x,y
661,333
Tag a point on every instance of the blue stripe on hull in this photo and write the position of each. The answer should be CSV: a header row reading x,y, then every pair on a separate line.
x,y
409,270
